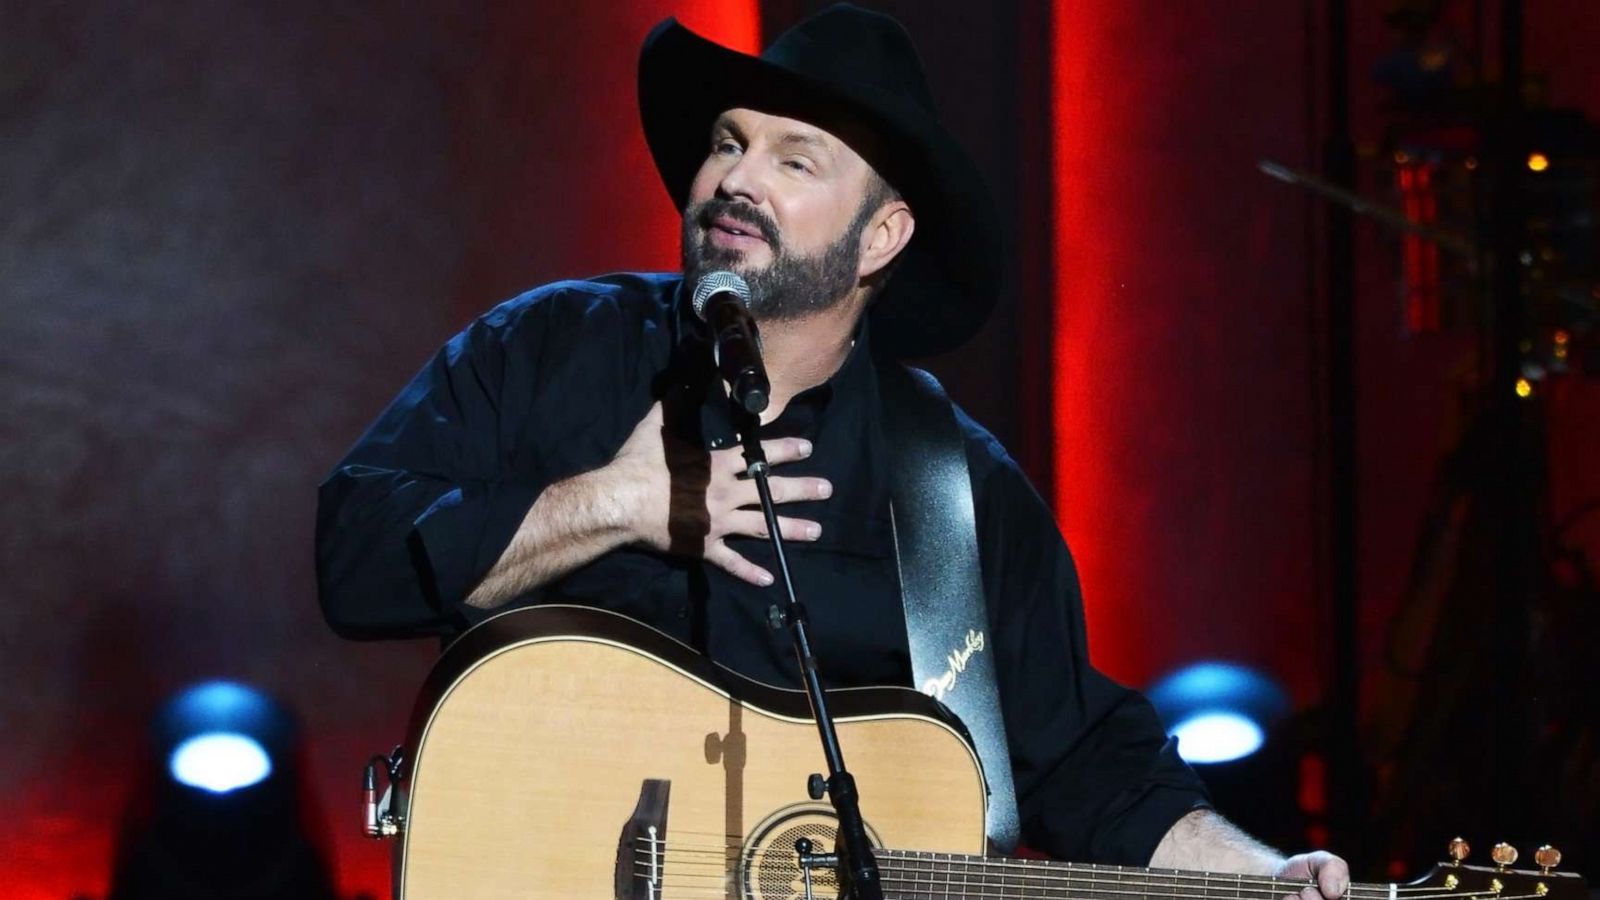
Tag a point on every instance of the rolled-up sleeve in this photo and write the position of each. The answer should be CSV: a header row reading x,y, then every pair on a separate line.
x,y
422,506
1097,777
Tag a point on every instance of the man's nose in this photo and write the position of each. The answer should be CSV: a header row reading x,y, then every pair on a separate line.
x,y
743,181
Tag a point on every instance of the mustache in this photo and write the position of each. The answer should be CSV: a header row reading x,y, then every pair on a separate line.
x,y
743,213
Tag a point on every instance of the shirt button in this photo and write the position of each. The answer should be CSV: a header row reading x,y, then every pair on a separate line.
x,y
683,612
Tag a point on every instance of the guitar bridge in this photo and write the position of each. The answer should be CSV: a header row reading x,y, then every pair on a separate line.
x,y
642,849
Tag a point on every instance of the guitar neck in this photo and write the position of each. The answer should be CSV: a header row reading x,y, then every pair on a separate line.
x,y
953,876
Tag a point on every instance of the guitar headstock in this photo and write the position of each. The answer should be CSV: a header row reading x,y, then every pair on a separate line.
x,y
1455,879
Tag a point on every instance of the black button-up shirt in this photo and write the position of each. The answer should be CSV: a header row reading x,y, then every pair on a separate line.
x,y
549,385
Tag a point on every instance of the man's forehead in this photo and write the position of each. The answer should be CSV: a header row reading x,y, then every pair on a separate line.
x,y
782,128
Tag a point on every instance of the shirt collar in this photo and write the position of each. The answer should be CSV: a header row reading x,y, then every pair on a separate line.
x,y
703,414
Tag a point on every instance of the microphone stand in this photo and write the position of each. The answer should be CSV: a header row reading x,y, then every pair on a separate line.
x,y
856,866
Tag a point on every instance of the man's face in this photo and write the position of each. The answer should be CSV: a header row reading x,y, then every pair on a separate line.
x,y
780,202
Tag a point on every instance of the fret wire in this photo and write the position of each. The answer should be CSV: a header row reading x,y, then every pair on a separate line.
x,y
1091,873
1482,894
1076,872
722,875
1171,875
966,880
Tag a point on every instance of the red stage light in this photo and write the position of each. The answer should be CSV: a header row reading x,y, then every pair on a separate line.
x,y
1091,348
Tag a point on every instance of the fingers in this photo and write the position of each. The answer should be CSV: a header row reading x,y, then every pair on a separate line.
x,y
1329,875
778,451
791,490
718,554
1333,875
754,524
783,450
784,490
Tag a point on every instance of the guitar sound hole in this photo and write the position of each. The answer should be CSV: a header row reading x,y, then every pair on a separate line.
x,y
768,866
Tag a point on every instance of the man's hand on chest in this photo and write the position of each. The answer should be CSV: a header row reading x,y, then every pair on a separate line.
x,y
689,499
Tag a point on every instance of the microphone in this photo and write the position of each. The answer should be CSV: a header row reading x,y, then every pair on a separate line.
x,y
722,299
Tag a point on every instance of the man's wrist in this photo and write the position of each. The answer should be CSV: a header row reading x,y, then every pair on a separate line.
x,y
1204,840
617,494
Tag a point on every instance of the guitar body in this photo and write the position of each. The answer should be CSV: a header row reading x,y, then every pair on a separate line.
x,y
536,732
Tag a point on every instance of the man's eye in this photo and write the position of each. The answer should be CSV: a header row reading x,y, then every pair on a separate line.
x,y
725,147
799,165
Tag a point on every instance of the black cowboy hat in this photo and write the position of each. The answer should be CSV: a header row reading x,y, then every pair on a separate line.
x,y
856,73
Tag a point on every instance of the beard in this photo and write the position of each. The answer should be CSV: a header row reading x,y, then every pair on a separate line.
x,y
791,286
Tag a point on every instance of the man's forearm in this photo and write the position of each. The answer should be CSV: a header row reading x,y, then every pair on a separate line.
x,y
572,523
1204,841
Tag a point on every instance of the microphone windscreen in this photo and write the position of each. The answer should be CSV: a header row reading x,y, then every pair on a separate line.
x,y
716,283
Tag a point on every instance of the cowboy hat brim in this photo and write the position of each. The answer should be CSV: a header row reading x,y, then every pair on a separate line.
x,y
947,279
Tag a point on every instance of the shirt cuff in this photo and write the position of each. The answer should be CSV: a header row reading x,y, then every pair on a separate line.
x,y
1133,838
460,537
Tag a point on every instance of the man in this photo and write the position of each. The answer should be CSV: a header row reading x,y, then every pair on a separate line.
x,y
574,443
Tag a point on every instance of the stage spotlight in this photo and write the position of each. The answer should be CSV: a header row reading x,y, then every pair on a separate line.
x,y
1232,725
220,762
1219,712
1217,737
221,810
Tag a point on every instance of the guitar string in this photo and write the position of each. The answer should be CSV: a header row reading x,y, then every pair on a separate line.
x,y
678,885
1119,871
737,841
721,862
722,876
1082,871
718,868
910,889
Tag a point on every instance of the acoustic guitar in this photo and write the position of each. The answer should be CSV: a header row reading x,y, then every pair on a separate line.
x,y
567,752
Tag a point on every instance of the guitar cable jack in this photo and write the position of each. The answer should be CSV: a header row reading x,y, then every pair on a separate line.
x,y
377,822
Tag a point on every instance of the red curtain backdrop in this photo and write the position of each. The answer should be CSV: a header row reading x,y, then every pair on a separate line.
x,y
1183,454
551,154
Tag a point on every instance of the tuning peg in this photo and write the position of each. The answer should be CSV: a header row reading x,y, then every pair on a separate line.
x,y
1459,851
1547,857
1504,855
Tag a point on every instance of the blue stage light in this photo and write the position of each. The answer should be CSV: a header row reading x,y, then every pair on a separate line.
x,y
220,736
1217,737
1219,712
223,816
220,762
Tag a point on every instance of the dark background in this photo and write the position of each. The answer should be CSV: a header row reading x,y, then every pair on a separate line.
x,y
231,231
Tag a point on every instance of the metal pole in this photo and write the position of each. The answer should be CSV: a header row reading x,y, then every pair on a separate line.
x,y
1346,778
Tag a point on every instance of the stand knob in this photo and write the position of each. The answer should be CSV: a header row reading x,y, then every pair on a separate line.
x,y
1547,857
1503,855
1459,851
816,786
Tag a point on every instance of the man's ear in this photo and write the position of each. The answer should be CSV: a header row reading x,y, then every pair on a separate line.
x,y
887,234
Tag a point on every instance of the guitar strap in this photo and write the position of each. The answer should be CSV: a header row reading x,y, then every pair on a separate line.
x,y
936,549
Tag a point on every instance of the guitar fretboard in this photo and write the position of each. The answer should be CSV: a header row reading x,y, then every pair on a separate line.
x,y
916,875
